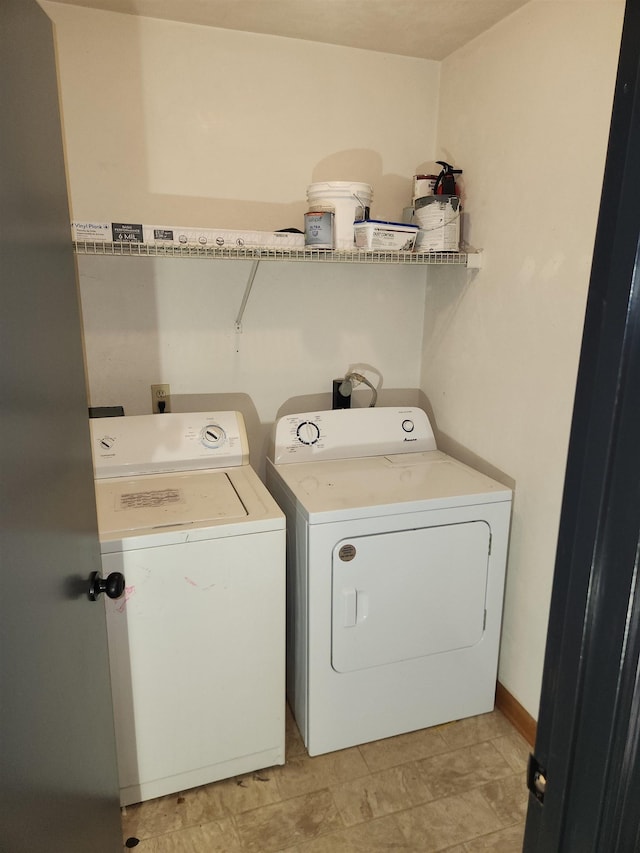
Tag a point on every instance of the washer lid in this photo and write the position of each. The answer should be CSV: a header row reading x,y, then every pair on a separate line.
x,y
357,488
159,509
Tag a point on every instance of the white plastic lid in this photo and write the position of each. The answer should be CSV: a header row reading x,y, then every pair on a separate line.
x,y
403,225
341,187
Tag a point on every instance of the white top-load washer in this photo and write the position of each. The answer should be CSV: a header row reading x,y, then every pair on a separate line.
x,y
396,559
196,643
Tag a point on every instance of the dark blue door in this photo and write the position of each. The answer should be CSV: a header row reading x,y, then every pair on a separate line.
x,y
57,750
585,771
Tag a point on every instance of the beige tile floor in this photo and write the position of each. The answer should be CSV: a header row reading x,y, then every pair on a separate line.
x,y
458,788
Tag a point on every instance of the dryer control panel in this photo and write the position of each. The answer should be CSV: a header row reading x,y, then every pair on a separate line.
x,y
350,433
159,444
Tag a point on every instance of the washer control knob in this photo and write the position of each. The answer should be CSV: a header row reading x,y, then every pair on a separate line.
x,y
308,432
212,436
408,425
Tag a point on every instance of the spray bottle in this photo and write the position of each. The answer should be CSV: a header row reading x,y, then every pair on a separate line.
x,y
446,182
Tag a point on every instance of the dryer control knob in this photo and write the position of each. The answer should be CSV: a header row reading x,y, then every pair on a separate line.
x,y
308,432
408,425
212,436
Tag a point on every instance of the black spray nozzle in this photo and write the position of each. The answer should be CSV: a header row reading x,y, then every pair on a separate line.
x,y
446,182
448,169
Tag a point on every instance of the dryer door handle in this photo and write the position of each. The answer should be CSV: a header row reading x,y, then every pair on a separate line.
x,y
350,611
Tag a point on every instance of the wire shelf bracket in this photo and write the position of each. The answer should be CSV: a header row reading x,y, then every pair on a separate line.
x,y
245,298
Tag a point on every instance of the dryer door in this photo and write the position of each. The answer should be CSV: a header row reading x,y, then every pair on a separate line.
x,y
408,593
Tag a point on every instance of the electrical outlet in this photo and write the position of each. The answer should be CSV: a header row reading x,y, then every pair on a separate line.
x,y
160,399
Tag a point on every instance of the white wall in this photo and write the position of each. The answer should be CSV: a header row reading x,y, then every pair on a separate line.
x,y
525,110
173,321
167,123
193,125
177,124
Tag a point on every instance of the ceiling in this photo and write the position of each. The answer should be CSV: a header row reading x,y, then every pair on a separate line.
x,y
427,29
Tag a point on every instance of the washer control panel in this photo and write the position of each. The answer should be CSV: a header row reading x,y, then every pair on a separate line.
x,y
176,441
350,433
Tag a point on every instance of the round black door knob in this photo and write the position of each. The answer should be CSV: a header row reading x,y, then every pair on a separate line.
x,y
113,585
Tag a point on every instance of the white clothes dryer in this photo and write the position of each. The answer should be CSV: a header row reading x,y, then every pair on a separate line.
x,y
396,559
197,642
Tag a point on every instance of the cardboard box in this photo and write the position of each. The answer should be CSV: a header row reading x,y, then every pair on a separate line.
x,y
174,235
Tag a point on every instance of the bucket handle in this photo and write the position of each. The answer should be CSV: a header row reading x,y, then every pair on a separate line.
x,y
365,209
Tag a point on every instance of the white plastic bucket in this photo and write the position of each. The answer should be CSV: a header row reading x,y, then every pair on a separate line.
x,y
350,202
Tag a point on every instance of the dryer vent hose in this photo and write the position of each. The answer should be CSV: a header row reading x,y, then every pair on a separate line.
x,y
348,382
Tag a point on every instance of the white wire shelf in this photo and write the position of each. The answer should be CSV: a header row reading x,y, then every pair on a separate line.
x,y
468,258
